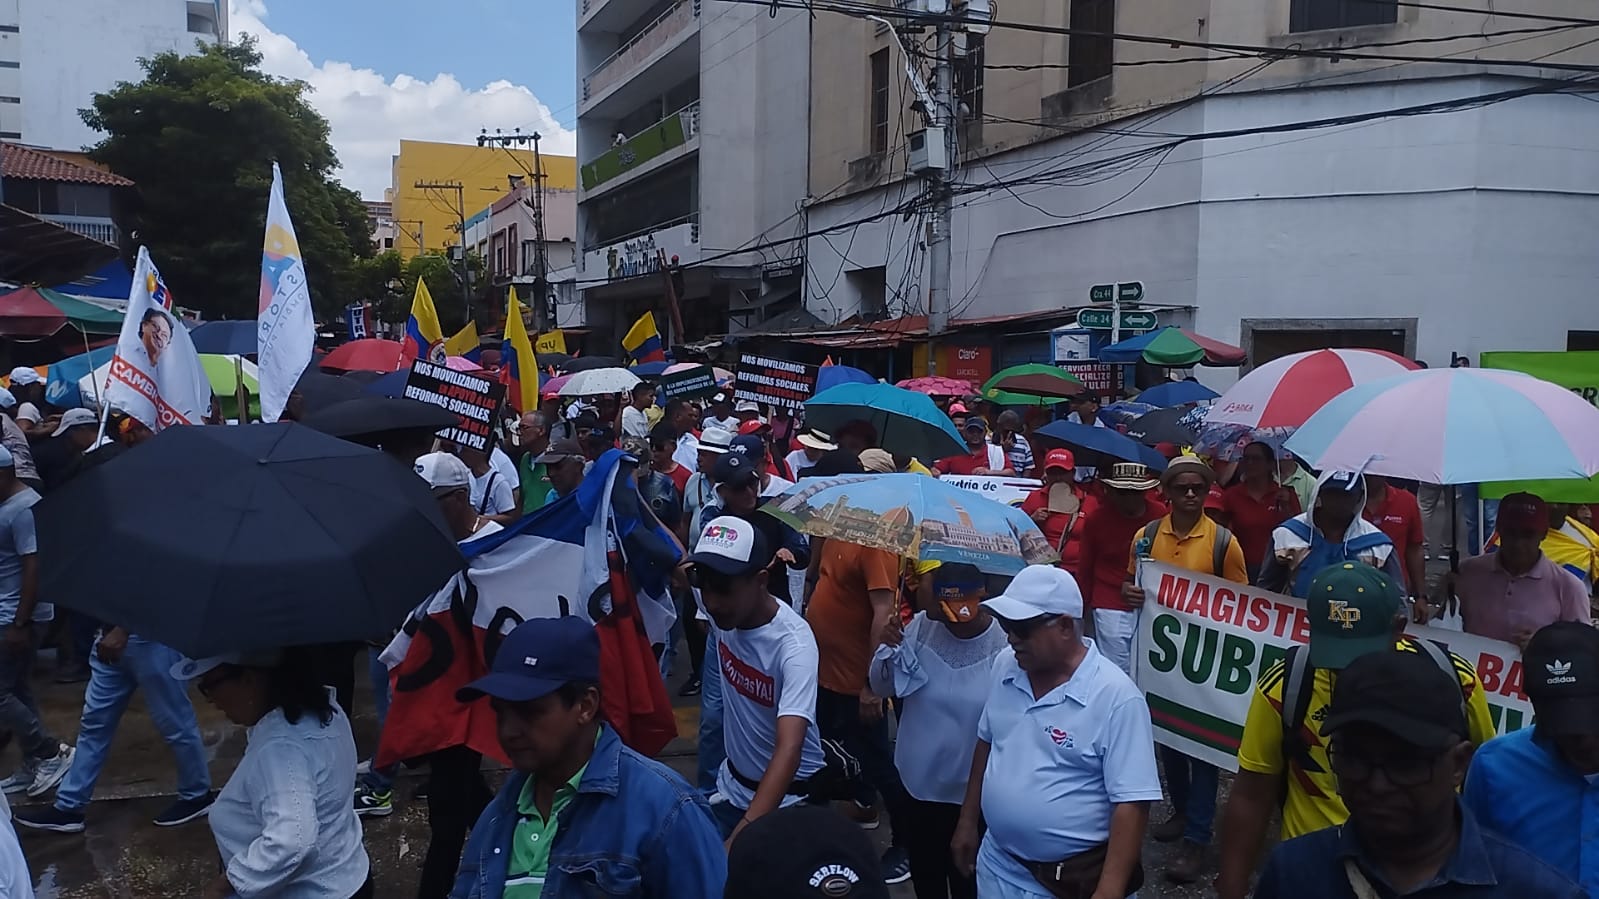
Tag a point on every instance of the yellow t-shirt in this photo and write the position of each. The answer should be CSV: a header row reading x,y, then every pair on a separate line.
x,y
1313,802
1195,551
915,467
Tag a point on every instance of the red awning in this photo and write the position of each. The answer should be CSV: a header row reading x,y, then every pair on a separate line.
x,y
25,315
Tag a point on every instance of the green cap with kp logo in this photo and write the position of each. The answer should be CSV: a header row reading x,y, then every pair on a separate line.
x,y
1352,608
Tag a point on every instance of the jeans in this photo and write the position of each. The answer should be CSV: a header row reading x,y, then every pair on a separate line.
x,y
1114,632
457,794
933,874
380,780
148,665
838,717
19,713
712,751
1193,792
669,654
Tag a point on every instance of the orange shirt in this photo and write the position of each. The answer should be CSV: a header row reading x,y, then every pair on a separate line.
x,y
840,611
1195,550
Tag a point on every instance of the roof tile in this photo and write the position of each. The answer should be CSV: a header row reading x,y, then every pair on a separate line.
x,y
28,164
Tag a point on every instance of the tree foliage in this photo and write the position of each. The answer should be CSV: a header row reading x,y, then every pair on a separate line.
x,y
198,136
376,277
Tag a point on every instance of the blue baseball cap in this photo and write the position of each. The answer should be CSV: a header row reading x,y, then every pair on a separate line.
x,y
537,658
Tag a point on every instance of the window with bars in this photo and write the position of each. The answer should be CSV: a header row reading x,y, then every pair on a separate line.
x,y
969,80
879,104
1319,15
1090,50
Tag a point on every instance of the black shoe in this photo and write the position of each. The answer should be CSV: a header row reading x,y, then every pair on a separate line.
x,y
422,790
1171,829
896,866
185,810
691,688
52,819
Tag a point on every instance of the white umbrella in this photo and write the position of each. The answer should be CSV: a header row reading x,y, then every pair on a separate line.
x,y
600,382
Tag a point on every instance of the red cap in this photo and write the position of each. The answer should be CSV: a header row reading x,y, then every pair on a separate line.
x,y
1523,512
1213,499
753,426
1060,458
1169,450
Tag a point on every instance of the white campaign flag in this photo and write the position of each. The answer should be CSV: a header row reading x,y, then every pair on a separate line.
x,y
285,331
156,375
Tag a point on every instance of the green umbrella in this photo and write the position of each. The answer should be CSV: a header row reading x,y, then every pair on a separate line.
x,y
1031,382
85,316
1006,398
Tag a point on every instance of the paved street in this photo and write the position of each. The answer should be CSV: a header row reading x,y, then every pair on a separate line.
x,y
123,856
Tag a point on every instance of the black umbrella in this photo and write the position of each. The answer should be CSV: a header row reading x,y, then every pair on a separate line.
x,y
367,415
548,360
1176,424
585,363
318,390
226,539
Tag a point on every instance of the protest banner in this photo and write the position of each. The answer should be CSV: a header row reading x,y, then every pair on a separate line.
x,y
690,383
473,398
155,375
775,382
1203,641
1575,371
1007,490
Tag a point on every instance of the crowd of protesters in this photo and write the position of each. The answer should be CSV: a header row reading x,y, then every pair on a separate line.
x,y
1022,760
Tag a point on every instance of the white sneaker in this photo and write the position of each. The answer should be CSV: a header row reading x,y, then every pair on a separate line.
x,y
363,767
21,779
51,771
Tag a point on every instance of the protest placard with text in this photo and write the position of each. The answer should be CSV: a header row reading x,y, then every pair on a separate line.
x,y
1008,490
775,382
475,399
690,383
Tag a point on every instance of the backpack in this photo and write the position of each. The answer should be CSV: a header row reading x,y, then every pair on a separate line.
x,y
1218,561
1324,552
1299,682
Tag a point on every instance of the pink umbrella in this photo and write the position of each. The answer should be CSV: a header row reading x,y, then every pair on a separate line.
x,y
552,387
937,385
461,363
1285,392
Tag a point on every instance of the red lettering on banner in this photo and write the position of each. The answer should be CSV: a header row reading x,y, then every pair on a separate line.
x,y
1259,614
1488,668
1283,613
1224,606
1512,685
1301,626
1173,593
754,684
1199,601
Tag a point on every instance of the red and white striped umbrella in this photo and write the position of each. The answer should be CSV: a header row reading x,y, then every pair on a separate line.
x,y
1284,392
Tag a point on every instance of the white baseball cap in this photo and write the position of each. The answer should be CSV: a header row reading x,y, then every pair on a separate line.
x,y
444,472
189,669
747,406
716,440
1037,591
731,546
22,376
75,418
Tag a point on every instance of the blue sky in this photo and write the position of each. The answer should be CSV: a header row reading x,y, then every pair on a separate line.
x,y
386,70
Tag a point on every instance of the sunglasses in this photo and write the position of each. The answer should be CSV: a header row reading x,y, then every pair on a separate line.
x,y
1409,770
1189,489
702,578
1021,630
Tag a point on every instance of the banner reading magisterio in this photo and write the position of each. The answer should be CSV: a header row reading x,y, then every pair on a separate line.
x,y
156,375
1203,641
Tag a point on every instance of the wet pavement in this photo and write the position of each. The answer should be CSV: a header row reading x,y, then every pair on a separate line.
x,y
122,855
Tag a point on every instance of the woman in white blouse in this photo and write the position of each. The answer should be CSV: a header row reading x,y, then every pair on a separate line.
x,y
285,822
938,667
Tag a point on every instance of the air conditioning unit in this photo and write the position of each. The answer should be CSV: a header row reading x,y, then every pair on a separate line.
x,y
927,151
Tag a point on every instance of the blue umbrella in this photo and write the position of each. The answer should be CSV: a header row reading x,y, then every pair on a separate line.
x,y
1107,445
906,422
227,338
831,376
650,369
62,378
1176,393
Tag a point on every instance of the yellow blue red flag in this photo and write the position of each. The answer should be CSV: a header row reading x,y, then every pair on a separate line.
x,y
465,343
519,367
424,339
643,341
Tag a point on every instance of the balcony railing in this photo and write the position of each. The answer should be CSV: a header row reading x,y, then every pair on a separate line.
x,y
669,133
666,26
92,227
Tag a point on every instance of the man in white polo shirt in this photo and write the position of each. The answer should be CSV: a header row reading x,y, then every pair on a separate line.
x,y
767,660
1064,771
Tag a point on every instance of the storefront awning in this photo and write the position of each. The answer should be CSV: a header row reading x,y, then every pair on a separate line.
x,y
34,251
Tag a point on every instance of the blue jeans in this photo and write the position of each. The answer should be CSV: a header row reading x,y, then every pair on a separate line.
x,y
669,654
380,780
712,752
1193,792
19,711
146,665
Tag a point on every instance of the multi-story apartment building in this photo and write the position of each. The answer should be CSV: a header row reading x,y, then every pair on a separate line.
x,y
55,56
1445,206
691,139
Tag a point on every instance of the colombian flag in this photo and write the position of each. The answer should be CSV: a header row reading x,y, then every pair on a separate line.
x,y
519,368
1578,556
465,343
424,339
643,342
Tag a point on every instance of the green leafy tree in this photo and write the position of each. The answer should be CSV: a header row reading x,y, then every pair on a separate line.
x,y
198,135
389,282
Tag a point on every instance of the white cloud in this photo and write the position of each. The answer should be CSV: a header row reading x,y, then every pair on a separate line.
x,y
369,114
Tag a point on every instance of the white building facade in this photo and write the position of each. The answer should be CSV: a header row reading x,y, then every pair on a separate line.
x,y
55,55
692,149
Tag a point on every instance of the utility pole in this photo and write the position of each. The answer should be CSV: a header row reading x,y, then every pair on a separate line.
x,y
543,314
944,121
420,246
460,215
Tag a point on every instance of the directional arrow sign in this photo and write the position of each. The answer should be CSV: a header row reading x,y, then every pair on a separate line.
x,y
1126,292
1131,320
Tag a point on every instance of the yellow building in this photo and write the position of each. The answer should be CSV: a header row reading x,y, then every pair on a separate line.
x,y
428,218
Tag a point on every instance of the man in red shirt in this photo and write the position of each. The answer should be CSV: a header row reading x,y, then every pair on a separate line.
x,y
1062,526
1397,513
1257,504
1107,540
982,457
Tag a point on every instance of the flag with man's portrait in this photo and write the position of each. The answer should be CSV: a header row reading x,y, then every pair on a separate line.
x,y
155,374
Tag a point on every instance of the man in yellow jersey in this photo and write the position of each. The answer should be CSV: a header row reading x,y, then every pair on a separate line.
x,y
1355,609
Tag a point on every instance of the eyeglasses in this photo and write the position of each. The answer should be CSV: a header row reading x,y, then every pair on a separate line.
x,y
1024,629
702,578
1400,770
210,683
1188,489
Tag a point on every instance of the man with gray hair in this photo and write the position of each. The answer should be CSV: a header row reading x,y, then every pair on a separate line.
x,y
1064,770
533,436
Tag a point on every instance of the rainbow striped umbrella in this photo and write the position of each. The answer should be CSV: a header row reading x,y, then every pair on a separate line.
x,y
1454,426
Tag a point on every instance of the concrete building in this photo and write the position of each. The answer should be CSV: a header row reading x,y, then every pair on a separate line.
x,y
692,135
429,218
1432,234
55,56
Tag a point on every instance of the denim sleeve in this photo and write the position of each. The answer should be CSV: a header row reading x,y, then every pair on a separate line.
x,y
687,858
284,787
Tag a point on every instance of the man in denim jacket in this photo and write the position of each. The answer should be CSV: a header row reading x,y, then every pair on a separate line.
x,y
583,814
